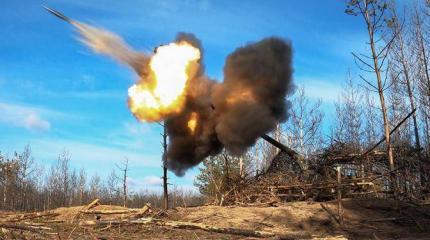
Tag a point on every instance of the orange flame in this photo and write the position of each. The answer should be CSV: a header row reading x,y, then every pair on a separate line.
x,y
165,93
192,123
243,95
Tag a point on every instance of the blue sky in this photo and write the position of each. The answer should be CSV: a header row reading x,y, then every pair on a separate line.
x,y
56,94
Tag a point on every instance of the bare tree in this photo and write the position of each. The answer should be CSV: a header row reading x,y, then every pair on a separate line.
x,y
81,185
165,187
422,48
9,170
371,121
25,173
219,176
95,186
349,115
64,174
112,186
401,55
22,187
398,109
73,187
376,16
124,169
303,129
257,163
422,75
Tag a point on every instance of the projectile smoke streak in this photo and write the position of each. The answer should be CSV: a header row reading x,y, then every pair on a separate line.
x,y
202,115
107,43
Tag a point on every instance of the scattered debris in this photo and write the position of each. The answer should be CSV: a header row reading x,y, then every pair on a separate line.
x,y
295,220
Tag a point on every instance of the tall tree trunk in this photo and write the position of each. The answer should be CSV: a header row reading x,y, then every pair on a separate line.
x,y
81,195
412,105
427,129
124,184
227,170
422,50
5,193
165,190
381,98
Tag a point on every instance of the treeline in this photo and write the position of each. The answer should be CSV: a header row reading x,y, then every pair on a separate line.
x,y
25,185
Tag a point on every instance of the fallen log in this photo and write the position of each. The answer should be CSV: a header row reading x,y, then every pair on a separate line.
x,y
54,221
119,211
133,212
35,229
92,204
30,216
86,208
147,208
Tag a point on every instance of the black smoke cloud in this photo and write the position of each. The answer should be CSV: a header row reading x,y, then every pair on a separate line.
x,y
235,113
232,114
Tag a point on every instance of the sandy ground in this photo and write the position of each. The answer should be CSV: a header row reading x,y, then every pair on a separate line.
x,y
364,219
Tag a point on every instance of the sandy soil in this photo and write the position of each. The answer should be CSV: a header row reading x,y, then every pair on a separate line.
x,y
364,219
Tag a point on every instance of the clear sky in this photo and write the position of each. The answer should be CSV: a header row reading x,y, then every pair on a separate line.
x,y
56,94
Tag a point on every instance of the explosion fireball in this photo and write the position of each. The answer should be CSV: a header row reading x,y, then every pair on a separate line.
x,y
163,94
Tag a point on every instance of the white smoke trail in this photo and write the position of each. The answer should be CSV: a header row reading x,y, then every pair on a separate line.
x,y
105,42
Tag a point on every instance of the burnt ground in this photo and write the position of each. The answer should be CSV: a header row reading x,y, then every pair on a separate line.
x,y
364,219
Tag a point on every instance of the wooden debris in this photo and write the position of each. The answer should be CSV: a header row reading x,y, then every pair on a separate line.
x,y
53,221
36,229
118,211
126,213
261,227
92,204
29,216
88,223
86,208
146,209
